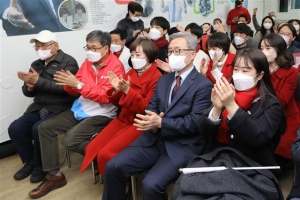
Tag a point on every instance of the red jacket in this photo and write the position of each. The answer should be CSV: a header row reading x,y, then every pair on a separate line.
x,y
284,82
226,70
236,12
96,82
120,132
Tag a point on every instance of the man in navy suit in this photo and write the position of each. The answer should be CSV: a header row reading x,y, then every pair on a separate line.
x,y
170,124
22,17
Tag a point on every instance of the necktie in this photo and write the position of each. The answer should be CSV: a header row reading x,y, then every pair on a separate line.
x,y
176,87
43,112
173,11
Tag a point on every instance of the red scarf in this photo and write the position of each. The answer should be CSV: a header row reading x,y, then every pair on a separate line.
x,y
161,42
244,100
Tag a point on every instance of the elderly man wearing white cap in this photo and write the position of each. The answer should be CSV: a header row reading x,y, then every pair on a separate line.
x,y
49,99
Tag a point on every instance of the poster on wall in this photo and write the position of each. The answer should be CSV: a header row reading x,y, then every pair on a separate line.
x,y
24,17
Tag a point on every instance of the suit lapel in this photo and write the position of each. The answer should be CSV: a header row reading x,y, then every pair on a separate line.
x,y
183,88
48,7
167,93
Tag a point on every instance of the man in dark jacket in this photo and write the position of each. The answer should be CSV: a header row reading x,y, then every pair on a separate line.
x,y
49,100
132,25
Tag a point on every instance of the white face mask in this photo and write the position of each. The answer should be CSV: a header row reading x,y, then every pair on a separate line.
x,y
243,82
177,62
212,53
93,56
115,47
286,39
44,54
238,40
296,27
154,34
271,55
273,18
267,26
138,63
135,19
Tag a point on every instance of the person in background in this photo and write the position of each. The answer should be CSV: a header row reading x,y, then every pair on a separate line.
x,y
246,115
242,19
172,31
195,30
175,8
79,17
132,93
220,65
207,31
256,24
284,78
296,24
90,113
242,40
170,135
118,40
49,100
232,17
132,25
157,33
288,33
216,22
267,26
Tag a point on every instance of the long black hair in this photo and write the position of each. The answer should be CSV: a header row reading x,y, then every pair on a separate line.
x,y
262,28
277,42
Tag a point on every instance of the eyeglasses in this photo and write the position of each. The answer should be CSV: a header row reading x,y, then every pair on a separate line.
x,y
177,51
285,34
43,46
94,49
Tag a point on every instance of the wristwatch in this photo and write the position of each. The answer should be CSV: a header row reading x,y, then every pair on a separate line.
x,y
79,86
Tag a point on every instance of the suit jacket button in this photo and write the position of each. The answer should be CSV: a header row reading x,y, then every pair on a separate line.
x,y
231,136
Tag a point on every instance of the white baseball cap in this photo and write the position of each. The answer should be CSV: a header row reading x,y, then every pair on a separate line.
x,y
44,37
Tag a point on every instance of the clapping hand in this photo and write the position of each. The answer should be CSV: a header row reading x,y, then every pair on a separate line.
x,y
30,78
225,92
163,65
114,80
124,85
150,121
66,78
203,67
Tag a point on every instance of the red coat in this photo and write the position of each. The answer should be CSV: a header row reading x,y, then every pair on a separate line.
x,y
227,69
284,82
120,132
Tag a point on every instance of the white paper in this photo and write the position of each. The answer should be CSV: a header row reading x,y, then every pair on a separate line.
x,y
213,169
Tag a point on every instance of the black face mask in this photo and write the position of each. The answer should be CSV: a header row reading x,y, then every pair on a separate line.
x,y
237,3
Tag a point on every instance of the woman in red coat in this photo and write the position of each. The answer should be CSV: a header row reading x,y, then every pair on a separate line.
x,y
132,93
222,54
284,79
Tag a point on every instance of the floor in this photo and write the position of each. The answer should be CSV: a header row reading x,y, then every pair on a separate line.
x,y
80,186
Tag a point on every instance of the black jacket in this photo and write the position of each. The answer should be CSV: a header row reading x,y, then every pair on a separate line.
x,y
129,26
45,92
254,133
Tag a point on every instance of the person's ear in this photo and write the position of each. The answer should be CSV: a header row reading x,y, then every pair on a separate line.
x,y
123,42
260,75
165,32
293,38
56,48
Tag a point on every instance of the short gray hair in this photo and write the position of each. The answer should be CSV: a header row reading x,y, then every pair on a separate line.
x,y
103,38
191,41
